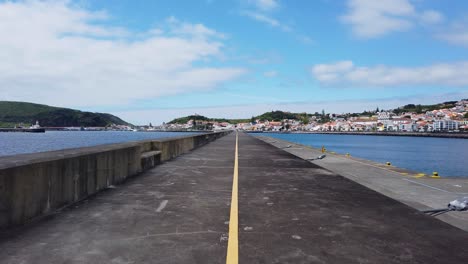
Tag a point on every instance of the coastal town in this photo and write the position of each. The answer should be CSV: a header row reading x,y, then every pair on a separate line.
x,y
445,117
452,119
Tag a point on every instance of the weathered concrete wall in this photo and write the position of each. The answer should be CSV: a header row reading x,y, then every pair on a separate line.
x,y
33,185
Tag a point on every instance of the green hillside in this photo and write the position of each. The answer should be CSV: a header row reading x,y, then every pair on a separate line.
x,y
417,108
185,119
271,116
12,113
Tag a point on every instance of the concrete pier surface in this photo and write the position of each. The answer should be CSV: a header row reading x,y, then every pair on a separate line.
x,y
412,188
289,211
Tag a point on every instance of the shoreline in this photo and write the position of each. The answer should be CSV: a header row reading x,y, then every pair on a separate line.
x,y
397,134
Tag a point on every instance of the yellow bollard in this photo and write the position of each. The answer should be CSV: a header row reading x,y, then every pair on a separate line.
x,y
347,155
323,149
388,164
435,175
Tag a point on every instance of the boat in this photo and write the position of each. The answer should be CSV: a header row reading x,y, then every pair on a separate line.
x,y
32,129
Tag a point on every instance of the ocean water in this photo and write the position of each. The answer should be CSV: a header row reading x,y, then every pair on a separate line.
x,y
448,156
19,143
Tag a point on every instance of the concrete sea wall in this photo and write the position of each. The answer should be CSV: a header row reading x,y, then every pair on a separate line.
x,y
34,185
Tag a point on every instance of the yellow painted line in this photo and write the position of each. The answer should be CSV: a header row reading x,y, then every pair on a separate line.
x,y
233,242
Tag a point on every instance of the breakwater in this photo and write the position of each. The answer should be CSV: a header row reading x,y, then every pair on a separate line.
x,y
35,185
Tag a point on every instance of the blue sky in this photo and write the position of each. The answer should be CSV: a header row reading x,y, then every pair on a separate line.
x,y
151,61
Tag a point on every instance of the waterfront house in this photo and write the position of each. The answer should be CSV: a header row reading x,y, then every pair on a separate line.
x,y
445,125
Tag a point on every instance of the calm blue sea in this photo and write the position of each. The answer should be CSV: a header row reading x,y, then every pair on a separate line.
x,y
448,156
18,143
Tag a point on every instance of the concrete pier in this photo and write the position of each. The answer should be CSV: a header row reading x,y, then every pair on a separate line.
x,y
409,187
289,211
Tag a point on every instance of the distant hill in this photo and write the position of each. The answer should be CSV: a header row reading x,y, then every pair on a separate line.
x,y
281,115
271,116
417,108
185,119
12,113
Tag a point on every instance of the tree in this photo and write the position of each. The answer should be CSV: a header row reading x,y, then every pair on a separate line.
x,y
466,115
419,109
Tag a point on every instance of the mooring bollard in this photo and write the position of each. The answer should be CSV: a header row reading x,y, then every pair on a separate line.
x,y
388,164
435,175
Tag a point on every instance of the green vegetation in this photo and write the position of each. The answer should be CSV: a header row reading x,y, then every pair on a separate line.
x,y
276,116
13,113
423,108
466,115
185,119
270,116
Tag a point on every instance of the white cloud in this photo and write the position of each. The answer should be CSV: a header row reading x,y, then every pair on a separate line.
x,y
371,18
431,17
261,12
305,39
192,30
265,5
345,73
270,73
58,53
456,33
457,38
267,20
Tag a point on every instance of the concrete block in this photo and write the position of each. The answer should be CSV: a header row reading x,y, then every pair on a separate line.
x,y
150,159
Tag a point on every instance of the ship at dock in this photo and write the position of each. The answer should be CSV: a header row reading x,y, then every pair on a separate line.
x,y
36,128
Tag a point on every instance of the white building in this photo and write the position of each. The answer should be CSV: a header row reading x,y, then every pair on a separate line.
x,y
384,116
445,125
407,126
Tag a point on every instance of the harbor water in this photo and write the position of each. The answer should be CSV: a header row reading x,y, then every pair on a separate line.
x,y
20,143
447,156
